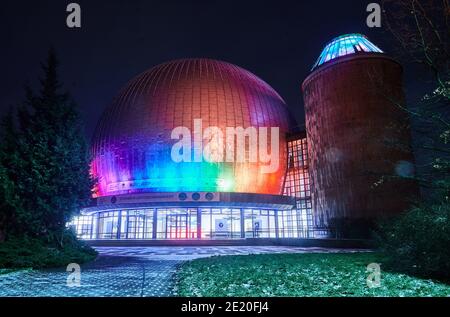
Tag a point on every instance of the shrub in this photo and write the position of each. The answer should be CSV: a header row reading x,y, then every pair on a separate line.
x,y
25,252
348,228
418,241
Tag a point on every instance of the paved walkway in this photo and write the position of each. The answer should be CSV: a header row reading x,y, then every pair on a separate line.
x,y
126,271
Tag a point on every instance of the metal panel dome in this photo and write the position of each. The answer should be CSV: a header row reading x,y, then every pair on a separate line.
x,y
132,142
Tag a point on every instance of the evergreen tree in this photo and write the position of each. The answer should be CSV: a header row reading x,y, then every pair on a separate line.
x,y
9,162
52,178
6,208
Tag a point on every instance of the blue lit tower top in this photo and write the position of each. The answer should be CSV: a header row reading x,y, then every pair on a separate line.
x,y
345,45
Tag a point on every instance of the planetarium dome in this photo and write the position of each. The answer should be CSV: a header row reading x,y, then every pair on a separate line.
x,y
132,142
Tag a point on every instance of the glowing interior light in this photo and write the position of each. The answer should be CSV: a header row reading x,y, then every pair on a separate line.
x,y
225,184
346,45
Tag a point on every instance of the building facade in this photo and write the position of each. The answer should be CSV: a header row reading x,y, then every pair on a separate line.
x,y
361,161
143,193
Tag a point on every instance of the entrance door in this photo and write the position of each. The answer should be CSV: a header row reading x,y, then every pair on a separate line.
x,y
136,226
177,226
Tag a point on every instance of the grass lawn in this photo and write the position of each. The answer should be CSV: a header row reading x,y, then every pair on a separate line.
x,y
309,274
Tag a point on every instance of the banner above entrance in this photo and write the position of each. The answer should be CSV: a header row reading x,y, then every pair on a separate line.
x,y
158,197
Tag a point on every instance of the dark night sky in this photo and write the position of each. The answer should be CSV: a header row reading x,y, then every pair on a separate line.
x,y
277,40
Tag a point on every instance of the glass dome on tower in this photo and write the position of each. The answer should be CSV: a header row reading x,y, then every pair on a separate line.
x,y
346,45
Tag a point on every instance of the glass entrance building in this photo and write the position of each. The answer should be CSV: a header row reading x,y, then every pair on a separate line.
x,y
191,223
155,182
143,194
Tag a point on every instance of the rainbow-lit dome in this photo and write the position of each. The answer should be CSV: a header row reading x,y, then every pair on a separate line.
x,y
345,45
132,143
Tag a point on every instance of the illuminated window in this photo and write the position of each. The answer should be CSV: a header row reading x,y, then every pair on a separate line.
x,y
83,226
298,222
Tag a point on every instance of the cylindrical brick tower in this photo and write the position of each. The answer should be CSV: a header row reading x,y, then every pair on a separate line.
x,y
358,136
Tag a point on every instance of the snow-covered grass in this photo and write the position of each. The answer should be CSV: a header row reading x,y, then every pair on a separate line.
x,y
306,274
